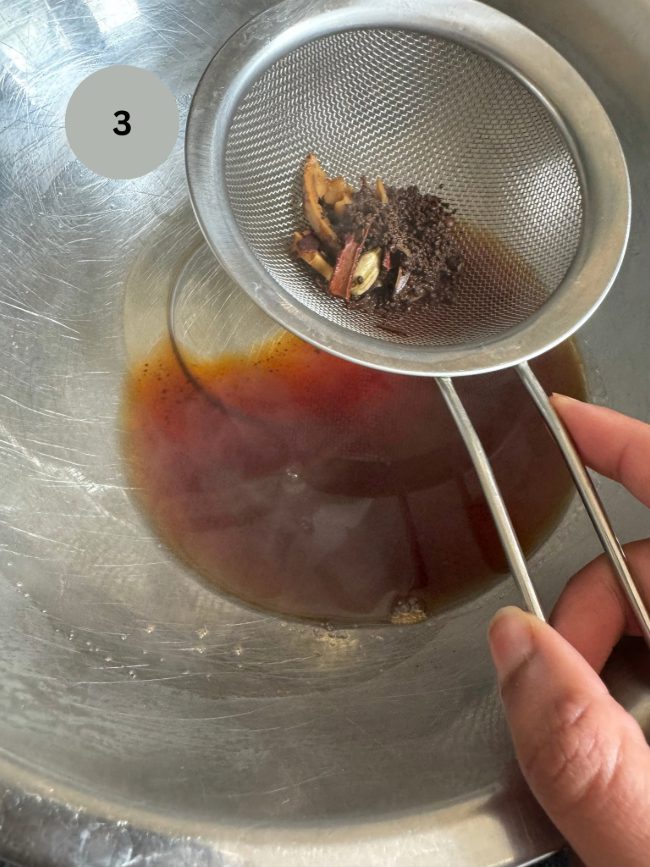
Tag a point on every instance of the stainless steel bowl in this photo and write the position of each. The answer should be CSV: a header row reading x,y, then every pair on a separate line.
x,y
120,740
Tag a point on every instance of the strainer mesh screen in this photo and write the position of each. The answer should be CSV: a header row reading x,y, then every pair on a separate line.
x,y
412,109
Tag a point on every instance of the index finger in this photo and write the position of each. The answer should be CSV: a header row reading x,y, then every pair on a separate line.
x,y
609,442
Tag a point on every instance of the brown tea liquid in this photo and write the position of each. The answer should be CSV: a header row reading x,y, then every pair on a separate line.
x,y
309,486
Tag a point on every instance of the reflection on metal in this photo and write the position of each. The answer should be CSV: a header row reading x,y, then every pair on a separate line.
x,y
111,14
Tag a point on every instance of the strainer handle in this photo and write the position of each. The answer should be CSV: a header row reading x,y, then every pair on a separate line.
x,y
590,498
511,546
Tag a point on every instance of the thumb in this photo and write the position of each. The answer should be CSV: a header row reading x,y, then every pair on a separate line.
x,y
584,757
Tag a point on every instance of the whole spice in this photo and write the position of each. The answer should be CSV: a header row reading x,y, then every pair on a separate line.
x,y
305,247
366,273
315,187
346,263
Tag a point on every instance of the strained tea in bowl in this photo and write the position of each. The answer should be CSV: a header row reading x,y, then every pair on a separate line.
x,y
313,487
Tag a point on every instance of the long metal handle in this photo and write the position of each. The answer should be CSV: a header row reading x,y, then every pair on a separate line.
x,y
589,497
493,496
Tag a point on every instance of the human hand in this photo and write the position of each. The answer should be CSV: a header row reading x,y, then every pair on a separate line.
x,y
584,757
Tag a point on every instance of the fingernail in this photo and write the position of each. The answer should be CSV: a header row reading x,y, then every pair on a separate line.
x,y
556,397
511,640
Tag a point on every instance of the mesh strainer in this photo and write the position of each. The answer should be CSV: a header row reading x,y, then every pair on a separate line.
x,y
421,92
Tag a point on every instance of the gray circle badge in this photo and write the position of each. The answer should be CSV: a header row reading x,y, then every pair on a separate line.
x,y
122,122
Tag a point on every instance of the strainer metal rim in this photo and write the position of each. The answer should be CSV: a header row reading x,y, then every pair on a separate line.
x,y
570,101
